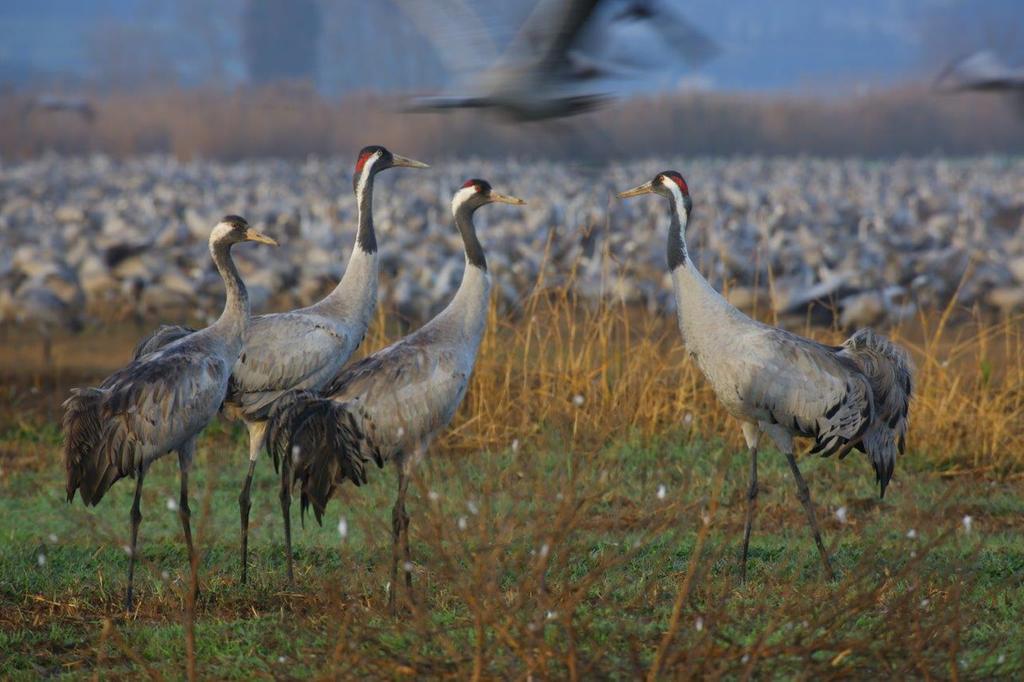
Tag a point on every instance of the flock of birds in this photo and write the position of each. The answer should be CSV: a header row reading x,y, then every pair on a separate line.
x,y
85,241
323,420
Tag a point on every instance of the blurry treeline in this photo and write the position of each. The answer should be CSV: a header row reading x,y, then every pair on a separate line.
x,y
292,119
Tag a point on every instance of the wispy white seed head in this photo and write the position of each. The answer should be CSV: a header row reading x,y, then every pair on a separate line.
x,y
400,432
968,522
462,523
172,504
1001,659
698,624
688,418
471,506
705,517
662,491
127,549
911,534
515,445
559,496
343,527
41,559
281,659
841,515
578,400
745,658
407,567
165,575
53,537
433,496
296,451
544,549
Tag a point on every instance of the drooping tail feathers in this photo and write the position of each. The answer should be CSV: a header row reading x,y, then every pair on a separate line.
x,y
890,372
319,443
88,464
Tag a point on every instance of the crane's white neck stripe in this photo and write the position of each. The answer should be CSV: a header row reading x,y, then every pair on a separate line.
x,y
461,197
364,176
221,231
677,199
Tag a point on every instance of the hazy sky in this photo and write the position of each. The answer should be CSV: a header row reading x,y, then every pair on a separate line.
x,y
811,45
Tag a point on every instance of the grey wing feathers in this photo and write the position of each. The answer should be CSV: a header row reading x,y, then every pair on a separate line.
x,y
890,373
164,335
319,443
141,411
284,352
811,391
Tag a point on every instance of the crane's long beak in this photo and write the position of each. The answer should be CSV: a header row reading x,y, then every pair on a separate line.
x,y
505,199
646,188
407,162
254,236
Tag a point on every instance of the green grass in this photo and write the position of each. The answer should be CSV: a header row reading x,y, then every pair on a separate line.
x,y
563,562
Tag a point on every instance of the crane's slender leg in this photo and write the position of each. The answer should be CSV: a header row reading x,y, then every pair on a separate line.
x,y
257,432
752,434
136,517
185,514
805,498
286,506
399,528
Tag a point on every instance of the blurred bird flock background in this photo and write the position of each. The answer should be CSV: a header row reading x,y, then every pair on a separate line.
x,y
849,166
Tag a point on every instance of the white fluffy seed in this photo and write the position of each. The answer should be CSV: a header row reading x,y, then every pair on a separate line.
x,y
698,624
841,515
578,400
343,527
462,523
911,534
968,522
172,504
41,559
662,491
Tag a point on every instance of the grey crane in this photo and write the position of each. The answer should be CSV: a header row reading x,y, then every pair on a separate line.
x,y
856,395
553,64
160,402
983,71
303,348
390,405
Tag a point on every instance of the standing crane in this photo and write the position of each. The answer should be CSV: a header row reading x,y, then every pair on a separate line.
x,y
390,405
856,395
304,348
159,402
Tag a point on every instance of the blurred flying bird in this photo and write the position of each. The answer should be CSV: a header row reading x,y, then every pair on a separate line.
x,y
53,104
982,71
390,405
158,403
304,348
856,395
564,59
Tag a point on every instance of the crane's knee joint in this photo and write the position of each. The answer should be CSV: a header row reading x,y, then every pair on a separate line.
x,y
136,515
752,492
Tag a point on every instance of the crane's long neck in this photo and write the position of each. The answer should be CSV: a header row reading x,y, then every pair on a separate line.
x,y
355,297
233,320
703,312
467,312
